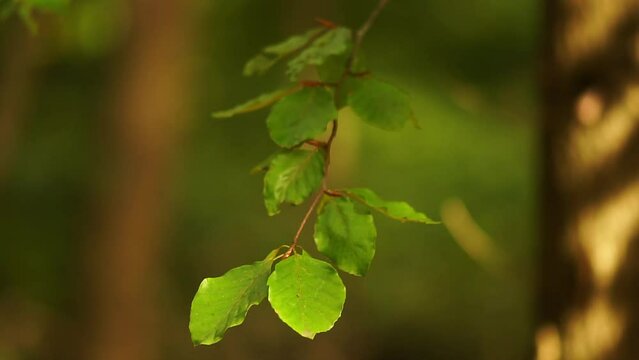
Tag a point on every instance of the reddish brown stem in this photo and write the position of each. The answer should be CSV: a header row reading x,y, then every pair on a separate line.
x,y
316,143
316,199
369,22
333,193
326,23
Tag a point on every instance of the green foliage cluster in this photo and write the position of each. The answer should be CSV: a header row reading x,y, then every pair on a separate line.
x,y
306,293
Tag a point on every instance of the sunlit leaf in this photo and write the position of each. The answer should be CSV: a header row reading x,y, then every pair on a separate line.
x,y
307,294
301,116
397,210
223,302
292,177
333,67
276,52
334,42
379,103
346,235
258,103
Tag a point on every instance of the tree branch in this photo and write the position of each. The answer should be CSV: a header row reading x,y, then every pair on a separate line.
x,y
327,161
371,19
357,42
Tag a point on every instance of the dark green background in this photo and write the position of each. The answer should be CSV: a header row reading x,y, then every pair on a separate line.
x,y
470,68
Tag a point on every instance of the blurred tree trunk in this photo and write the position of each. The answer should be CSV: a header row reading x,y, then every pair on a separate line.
x,y
149,97
16,80
589,280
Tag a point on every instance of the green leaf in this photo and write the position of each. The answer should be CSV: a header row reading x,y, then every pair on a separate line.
x,y
222,302
379,103
259,65
343,91
334,42
293,43
258,103
292,177
265,164
307,294
397,210
301,116
346,236
332,70
276,52
360,63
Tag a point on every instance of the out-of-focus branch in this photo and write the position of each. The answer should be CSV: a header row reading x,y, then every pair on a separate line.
x,y
470,237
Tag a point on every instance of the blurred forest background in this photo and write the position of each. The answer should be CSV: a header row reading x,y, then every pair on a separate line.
x,y
119,193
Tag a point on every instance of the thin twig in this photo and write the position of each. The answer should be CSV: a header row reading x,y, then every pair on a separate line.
x,y
361,32
316,143
316,199
331,137
333,193
325,23
327,161
371,19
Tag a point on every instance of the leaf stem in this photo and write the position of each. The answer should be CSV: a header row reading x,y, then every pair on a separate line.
x,y
327,161
316,199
